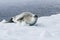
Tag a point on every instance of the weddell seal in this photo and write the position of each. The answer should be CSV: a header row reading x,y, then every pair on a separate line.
x,y
26,17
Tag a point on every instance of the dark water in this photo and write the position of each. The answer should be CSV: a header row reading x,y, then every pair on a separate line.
x,y
9,10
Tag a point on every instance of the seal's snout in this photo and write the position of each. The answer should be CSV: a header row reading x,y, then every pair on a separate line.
x,y
36,16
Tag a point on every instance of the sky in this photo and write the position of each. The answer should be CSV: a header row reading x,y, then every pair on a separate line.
x,y
2,1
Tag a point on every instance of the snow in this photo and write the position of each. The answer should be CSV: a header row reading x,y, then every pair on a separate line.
x,y
46,28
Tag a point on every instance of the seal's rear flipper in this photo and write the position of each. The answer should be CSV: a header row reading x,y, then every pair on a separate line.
x,y
11,21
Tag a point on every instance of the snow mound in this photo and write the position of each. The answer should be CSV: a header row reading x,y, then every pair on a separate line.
x,y
3,20
46,28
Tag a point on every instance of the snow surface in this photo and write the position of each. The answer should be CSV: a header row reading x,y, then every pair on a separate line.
x,y
46,28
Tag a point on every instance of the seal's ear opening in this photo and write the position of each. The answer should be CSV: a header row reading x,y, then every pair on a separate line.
x,y
11,20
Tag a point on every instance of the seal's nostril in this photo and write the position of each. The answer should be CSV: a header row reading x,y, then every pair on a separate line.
x,y
35,16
